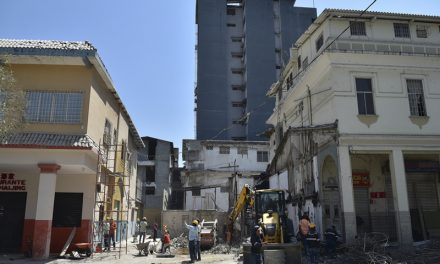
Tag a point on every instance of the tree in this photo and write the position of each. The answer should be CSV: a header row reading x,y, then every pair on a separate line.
x,y
12,102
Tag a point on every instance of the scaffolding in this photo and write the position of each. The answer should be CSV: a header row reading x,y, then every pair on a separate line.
x,y
112,197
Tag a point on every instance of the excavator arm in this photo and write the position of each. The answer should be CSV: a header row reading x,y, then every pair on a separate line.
x,y
246,196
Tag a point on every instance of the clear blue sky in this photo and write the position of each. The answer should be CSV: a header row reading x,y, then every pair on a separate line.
x,y
147,47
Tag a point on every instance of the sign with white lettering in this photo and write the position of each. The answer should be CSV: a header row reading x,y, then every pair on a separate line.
x,y
8,182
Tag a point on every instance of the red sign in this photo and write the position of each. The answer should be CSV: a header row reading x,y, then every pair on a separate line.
x,y
9,183
361,179
375,195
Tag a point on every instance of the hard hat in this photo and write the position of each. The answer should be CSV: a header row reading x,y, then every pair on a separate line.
x,y
195,222
144,218
256,227
311,225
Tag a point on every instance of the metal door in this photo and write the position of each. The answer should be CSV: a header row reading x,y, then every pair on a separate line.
x,y
362,209
12,209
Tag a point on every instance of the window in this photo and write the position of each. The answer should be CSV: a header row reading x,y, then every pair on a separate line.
x,y
401,30
67,210
357,28
289,81
123,150
195,192
209,147
224,150
242,150
364,94
149,190
236,39
262,156
150,174
238,104
305,63
421,32
53,107
107,138
416,98
230,25
230,11
319,42
299,62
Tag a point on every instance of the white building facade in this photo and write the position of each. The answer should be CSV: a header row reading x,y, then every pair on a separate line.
x,y
216,171
356,124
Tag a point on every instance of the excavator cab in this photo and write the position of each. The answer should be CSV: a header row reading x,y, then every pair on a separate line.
x,y
269,210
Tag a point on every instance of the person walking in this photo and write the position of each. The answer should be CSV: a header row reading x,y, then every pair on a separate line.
x,y
256,244
192,238
106,232
142,230
331,237
112,233
313,243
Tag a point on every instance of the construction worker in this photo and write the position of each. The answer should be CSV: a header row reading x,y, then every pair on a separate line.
x,y
303,230
256,244
193,233
106,232
142,230
112,233
313,243
199,236
166,242
331,237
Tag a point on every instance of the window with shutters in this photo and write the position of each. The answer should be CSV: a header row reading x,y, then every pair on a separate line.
x,y
416,97
364,94
67,210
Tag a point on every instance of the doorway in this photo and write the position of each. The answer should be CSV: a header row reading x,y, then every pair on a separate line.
x,y
12,211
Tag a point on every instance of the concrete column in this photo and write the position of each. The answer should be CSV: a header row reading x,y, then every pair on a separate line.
x,y
400,194
346,192
44,211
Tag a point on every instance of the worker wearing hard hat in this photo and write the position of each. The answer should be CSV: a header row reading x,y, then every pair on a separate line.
x,y
193,233
313,244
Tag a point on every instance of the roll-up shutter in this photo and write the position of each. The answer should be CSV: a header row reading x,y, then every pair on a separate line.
x,y
422,191
362,208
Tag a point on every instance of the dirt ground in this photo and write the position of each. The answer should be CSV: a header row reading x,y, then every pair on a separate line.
x,y
132,256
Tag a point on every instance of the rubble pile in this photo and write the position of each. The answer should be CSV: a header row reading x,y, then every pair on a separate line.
x,y
180,241
224,249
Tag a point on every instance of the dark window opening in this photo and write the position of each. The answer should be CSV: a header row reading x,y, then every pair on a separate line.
x,y
150,190
230,25
319,42
262,156
230,11
416,97
67,210
150,174
195,192
364,93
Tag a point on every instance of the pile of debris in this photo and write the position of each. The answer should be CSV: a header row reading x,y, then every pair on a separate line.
x,y
224,249
180,241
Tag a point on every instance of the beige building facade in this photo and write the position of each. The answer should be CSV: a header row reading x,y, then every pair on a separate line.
x,y
52,168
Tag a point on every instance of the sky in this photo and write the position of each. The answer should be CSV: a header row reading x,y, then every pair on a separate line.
x,y
148,47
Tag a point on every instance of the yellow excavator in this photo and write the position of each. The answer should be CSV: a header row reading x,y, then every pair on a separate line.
x,y
268,211
267,206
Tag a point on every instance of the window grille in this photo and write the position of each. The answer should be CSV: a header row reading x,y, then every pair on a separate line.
x,y
242,150
357,28
416,98
54,107
224,150
421,32
401,30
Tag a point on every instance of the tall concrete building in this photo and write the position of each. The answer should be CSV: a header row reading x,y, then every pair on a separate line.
x,y
242,47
